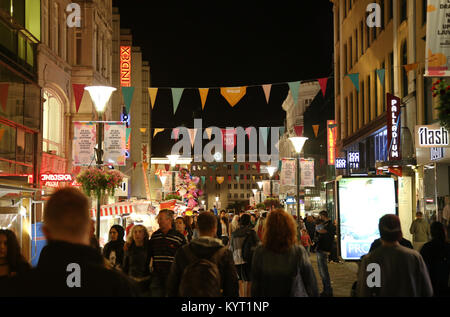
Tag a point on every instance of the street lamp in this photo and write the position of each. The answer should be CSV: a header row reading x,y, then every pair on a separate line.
x,y
298,143
271,170
260,185
163,179
100,96
173,161
254,190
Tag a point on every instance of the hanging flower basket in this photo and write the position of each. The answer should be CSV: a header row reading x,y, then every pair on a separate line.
x,y
441,89
99,182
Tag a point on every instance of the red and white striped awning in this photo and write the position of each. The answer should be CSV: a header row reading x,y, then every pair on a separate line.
x,y
113,210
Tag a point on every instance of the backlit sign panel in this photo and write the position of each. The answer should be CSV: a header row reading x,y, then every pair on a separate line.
x,y
353,160
341,163
125,66
428,136
393,127
331,140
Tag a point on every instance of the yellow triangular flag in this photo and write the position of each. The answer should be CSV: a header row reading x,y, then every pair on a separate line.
x,y
157,130
143,130
209,132
152,92
316,129
233,94
203,95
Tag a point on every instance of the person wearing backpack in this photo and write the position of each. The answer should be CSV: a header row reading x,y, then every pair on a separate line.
x,y
280,266
243,243
204,267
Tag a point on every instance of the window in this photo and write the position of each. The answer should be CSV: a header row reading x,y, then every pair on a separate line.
x,y
367,36
229,186
351,52
383,90
229,195
78,45
390,9
361,34
345,58
248,196
241,186
52,124
241,167
363,101
391,71
424,12
381,3
248,186
235,186
403,10
229,167
55,29
404,55
369,98
242,195
236,196
350,114
45,23
345,9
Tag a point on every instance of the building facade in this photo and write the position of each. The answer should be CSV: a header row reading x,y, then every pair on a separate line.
x,y
361,114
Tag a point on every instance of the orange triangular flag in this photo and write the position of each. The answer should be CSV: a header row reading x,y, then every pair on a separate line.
x,y
411,67
233,94
152,92
2,131
316,129
266,89
203,95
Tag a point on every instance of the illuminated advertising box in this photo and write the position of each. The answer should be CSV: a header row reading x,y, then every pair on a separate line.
x,y
331,141
125,66
362,201
393,127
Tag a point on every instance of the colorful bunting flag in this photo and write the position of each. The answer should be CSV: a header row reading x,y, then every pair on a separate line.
x,y
253,177
2,131
78,92
143,130
381,73
175,133
323,85
298,130
203,95
220,179
208,132
176,97
411,67
316,129
267,89
258,167
280,165
167,167
237,178
229,178
355,80
203,179
128,132
236,168
157,130
294,88
264,133
152,93
210,178
127,93
134,165
282,130
192,133
233,94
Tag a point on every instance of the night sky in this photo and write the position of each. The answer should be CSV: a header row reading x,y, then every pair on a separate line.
x,y
234,44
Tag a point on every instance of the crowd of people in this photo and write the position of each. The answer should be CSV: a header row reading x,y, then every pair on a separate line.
x,y
212,254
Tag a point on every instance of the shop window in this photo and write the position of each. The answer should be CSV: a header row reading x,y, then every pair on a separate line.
x,y
404,55
52,124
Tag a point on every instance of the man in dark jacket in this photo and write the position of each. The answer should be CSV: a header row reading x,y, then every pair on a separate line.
x,y
326,231
68,266
205,247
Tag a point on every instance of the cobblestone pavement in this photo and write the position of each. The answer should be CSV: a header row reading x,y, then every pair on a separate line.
x,y
342,276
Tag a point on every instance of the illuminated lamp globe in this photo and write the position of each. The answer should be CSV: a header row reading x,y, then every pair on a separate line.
x,y
173,159
100,96
260,184
298,142
271,170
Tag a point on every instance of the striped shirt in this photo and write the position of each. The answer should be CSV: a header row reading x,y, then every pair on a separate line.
x,y
163,248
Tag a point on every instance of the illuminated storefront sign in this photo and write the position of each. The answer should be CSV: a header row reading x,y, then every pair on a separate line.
x,y
393,128
125,66
437,153
431,136
353,160
341,163
331,140
53,180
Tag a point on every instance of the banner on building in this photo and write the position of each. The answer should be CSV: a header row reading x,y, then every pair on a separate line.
x,y
168,184
125,66
307,173
83,146
115,146
431,136
437,39
288,170
393,127
266,188
331,141
276,188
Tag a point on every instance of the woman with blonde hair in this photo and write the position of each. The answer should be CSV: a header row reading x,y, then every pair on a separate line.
x,y
136,262
280,266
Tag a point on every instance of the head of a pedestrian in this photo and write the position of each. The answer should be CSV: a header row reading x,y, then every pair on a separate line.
x,y
188,221
165,220
66,217
280,231
419,215
244,220
390,228
438,232
207,224
323,215
10,249
180,225
116,233
304,232
139,235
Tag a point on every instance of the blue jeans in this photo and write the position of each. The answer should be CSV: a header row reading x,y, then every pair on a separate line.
x,y
322,263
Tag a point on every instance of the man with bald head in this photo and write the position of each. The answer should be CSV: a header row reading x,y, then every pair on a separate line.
x,y
68,265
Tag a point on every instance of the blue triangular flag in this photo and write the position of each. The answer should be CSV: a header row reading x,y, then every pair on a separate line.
x,y
264,133
282,129
127,93
381,73
176,97
294,87
355,80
